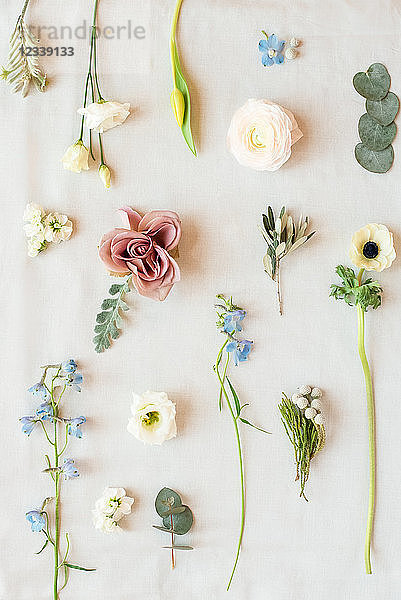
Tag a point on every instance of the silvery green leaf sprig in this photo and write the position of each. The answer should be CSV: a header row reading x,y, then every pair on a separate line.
x,y
282,236
108,320
22,67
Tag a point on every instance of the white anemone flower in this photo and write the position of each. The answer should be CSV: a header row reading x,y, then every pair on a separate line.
x,y
372,248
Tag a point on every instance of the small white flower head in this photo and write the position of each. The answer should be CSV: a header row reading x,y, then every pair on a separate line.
x,y
319,420
310,413
36,244
295,397
111,508
33,216
302,402
316,393
153,420
304,390
317,404
294,42
291,53
58,228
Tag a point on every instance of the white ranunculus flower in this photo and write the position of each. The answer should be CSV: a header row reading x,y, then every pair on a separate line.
x,y
261,135
372,248
101,116
111,508
153,420
58,228
76,158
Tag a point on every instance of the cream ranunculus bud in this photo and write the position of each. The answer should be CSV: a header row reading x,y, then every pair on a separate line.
x,y
316,393
304,390
319,420
103,115
261,135
105,176
317,404
372,248
76,158
178,105
153,420
302,402
310,413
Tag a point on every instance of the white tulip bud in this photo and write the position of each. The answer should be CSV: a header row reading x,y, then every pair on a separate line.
x,y
316,393
304,390
316,403
302,402
310,413
319,420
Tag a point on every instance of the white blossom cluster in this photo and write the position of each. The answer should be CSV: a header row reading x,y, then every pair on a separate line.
x,y
309,401
42,229
111,508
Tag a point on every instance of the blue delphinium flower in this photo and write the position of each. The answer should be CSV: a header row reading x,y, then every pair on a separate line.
x,y
73,426
74,380
28,424
36,519
271,49
240,350
45,412
68,469
69,366
232,321
40,390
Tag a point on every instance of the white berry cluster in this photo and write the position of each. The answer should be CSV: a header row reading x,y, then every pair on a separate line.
x,y
42,229
309,401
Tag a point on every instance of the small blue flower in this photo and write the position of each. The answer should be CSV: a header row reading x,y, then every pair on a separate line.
x,y
45,412
69,366
40,390
73,426
28,424
271,49
36,519
68,469
74,380
240,349
233,319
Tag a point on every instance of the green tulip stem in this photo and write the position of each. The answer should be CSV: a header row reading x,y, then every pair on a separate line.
x,y
172,37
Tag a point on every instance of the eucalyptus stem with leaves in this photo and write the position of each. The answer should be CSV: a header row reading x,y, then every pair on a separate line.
x,y
230,317
55,380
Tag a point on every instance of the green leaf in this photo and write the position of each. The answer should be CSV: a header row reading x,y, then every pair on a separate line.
x,y
375,162
183,87
373,135
366,294
235,397
163,529
385,110
109,320
166,499
43,547
178,547
374,84
182,523
70,566
254,426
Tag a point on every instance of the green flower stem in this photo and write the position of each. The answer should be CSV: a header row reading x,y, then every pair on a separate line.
x,y
57,514
172,37
24,9
172,542
371,421
94,49
224,372
241,466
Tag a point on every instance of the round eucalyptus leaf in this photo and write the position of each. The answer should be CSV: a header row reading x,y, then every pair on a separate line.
x,y
182,522
166,499
375,162
374,84
384,111
373,135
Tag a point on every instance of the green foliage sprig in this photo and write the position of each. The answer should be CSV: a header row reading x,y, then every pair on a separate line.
x,y
354,292
376,127
282,236
109,320
177,518
22,67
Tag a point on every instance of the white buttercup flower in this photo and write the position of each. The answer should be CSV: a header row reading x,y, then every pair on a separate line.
x,y
76,158
104,115
153,420
111,508
261,134
302,402
310,413
317,404
58,228
304,390
372,248
316,393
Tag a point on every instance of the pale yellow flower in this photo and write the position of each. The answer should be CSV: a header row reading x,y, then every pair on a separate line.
x,y
372,248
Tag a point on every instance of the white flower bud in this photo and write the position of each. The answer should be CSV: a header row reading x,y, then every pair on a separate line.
x,y
316,393
316,403
294,43
319,420
310,413
295,397
291,53
304,390
302,402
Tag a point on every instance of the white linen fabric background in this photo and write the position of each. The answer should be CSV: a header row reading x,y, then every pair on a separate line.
x,y
291,550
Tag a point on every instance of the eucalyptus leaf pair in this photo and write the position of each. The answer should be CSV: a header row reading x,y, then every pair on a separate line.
x,y
177,518
376,127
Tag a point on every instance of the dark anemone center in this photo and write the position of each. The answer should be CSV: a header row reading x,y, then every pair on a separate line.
x,y
370,250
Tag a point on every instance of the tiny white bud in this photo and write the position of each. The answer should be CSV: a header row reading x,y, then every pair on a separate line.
x,y
304,390
319,420
316,393
295,397
310,413
316,403
302,402
291,53
294,43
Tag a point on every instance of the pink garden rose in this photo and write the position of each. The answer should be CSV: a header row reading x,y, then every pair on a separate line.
x,y
141,248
